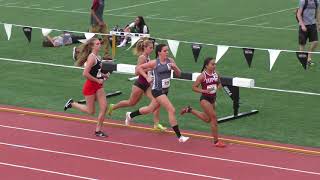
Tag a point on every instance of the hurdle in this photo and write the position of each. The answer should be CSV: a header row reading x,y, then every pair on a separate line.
x,y
231,86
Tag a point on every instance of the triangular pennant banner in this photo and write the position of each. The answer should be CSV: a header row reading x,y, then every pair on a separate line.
x,y
196,48
248,54
303,58
8,28
221,50
45,31
27,31
273,56
134,40
89,35
82,40
173,45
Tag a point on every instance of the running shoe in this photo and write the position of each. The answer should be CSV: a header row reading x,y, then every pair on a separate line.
x,y
185,110
110,110
128,119
219,144
159,127
100,134
183,139
68,104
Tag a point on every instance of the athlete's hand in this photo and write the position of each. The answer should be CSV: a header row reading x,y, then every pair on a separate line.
x,y
173,66
149,79
304,28
102,24
206,91
100,81
105,76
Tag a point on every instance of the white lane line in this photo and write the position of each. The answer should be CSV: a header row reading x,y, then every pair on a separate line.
x,y
79,9
34,5
152,15
287,91
136,5
158,18
262,24
205,19
47,171
292,25
111,161
74,67
129,13
180,17
164,150
10,4
260,15
57,7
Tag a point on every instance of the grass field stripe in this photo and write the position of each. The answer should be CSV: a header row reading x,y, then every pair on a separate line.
x,y
109,160
242,142
161,150
74,67
158,18
47,171
260,15
136,5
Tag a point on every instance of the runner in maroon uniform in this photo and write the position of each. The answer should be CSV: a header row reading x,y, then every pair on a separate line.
x,y
93,87
141,86
209,81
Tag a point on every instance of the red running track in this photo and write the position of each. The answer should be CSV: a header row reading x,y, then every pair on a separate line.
x,y
35,147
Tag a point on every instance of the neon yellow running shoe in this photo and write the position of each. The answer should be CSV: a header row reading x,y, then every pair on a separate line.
x,y
159,127
110,110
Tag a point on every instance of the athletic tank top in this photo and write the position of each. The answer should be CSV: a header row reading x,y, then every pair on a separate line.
x,y
162,75
141,79
210,82
96,69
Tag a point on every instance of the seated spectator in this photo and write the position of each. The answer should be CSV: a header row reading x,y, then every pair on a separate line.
x,y
62,40
138,26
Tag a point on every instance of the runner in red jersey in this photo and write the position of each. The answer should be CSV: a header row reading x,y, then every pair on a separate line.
x,y
93,87
210,82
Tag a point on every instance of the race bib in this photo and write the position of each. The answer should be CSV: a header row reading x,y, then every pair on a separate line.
x,y
166,83
99,74
212,88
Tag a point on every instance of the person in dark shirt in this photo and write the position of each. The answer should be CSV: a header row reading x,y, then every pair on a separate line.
x,y
97,26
